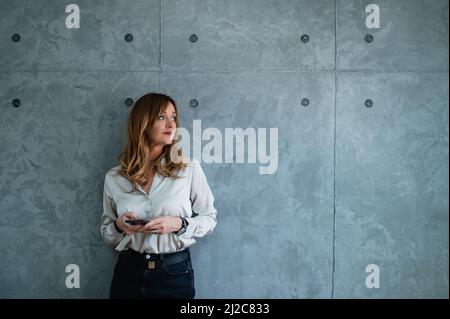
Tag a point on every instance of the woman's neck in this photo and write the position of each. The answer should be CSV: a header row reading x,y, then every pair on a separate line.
x,y
155,151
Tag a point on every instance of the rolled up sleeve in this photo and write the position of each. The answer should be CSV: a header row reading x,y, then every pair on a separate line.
x,y
202,201
108,231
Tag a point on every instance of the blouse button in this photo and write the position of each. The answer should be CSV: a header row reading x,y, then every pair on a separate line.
x,y
147,256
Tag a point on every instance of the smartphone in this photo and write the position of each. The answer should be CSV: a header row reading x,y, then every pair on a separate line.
x,y
137,221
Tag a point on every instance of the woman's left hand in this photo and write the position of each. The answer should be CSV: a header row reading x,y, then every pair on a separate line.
x,y
163,225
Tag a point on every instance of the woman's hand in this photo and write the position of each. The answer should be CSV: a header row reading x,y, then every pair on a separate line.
x,y
163,225
127,228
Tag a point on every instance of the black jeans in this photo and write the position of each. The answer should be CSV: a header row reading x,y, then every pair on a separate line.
x,y
145,275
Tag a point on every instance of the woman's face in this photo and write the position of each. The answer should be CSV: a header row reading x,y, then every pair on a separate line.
x,y
163,130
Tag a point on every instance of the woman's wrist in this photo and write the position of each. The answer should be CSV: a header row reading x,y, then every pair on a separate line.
x,y
183,227
117,227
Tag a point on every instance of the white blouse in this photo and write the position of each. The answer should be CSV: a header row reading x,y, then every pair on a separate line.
x,y
167,196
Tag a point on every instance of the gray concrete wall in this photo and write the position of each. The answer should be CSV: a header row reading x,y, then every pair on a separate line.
x,y
355,185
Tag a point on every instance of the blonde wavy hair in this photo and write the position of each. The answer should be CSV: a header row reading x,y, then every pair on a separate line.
x,y
134,159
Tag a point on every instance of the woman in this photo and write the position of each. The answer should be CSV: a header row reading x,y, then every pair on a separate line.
x,y
155,186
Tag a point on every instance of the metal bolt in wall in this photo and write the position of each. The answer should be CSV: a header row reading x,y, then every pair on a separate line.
x,y
15,102
193,103
304,38
193,38
368,38
128,37
15,37
368,103
129,102
305,102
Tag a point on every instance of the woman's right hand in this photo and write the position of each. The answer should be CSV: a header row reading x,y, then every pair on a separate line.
x,y
125,227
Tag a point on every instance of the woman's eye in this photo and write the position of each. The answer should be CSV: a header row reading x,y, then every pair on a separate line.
x,y
161,117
